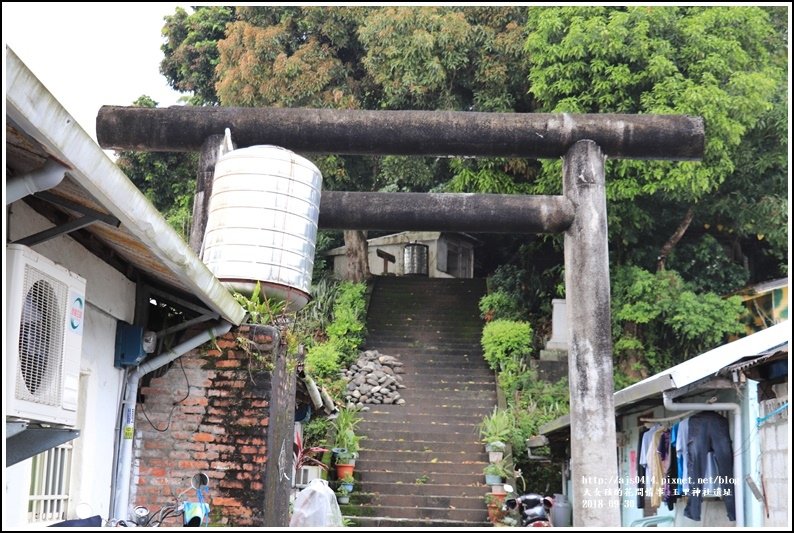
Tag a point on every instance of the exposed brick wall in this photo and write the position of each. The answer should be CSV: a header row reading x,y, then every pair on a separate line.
x,y
221,428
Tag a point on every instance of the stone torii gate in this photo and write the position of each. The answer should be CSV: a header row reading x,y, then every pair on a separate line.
x,y
583,141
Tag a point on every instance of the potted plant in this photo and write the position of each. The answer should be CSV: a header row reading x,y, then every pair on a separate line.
x,y
307,466
347,483
494,504
342,496
496,450
495,430
344,488
346,444
495,473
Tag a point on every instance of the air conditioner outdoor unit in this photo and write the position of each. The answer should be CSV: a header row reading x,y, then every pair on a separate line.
x,y
45,314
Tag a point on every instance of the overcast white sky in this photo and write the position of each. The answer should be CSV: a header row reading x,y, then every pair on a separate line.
x,y
90,55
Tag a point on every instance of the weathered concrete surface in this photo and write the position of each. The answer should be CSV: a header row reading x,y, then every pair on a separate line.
x,y
483,213
201,200
594,464
426,133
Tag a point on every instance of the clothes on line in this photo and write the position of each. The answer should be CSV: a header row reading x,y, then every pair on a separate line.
x,y
693,459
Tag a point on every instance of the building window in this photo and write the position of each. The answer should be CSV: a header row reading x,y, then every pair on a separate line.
x,y
49,485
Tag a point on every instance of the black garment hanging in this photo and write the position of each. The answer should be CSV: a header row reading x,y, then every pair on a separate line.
x,y
640,473
708,432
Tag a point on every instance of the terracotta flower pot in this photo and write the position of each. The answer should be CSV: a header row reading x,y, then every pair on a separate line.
x,y
495,513
343,470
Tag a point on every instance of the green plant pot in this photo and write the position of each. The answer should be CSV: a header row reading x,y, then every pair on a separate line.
x,y
492,479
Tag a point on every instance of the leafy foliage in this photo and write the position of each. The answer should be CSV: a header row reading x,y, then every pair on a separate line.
x,y
167,179
305,454
707,268
345,425
322,361
191,50
499,305
722,63
346,332
313,319
497,426
506,343
315,432
705,61
659,321
261,309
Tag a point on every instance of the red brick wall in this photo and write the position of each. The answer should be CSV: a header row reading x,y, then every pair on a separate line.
x,y
220,429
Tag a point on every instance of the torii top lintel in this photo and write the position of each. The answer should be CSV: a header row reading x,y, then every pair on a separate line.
x,y
419,133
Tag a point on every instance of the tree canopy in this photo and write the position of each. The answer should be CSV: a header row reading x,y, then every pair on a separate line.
x,y
721,63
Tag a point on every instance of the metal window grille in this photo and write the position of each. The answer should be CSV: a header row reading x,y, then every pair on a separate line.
x,y
49,485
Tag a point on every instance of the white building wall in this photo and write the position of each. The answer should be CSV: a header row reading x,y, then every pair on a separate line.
x,y
110,297
775,437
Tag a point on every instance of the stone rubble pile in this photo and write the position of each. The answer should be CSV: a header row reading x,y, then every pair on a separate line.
x,y
374,379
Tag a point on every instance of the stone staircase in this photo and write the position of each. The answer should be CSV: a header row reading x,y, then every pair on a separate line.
x,y
421,463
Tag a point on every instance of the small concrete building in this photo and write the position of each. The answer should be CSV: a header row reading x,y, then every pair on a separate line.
x,y
449,255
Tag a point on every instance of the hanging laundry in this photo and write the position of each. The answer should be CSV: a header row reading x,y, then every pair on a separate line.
x,y
708,432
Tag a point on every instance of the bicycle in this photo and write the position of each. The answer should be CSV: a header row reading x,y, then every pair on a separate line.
x,y
193,513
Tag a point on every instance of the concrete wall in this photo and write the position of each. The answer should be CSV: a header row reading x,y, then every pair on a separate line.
x,y
110,297
395,244
775,435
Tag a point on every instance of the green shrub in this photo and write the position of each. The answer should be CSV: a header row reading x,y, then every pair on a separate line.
x,y
316,315
505,343
322,361
499,305
315,432
346,331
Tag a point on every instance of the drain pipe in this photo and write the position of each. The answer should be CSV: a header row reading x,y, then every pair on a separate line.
x,y
124,467
738,466
46,177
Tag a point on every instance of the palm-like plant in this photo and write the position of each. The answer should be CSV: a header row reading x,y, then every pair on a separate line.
x,y
497,426
346,444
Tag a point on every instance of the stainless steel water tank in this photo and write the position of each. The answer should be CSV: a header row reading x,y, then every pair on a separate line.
x,y
415,259
262,222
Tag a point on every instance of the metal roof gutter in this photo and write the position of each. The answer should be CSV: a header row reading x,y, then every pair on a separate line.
x,y
33,108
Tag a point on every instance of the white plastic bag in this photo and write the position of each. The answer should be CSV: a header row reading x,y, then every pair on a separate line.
x,y
316,506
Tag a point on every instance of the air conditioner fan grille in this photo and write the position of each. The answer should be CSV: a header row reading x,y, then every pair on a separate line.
x,y
40,364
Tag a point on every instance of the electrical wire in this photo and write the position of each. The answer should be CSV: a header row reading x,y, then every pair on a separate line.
x,y
173,407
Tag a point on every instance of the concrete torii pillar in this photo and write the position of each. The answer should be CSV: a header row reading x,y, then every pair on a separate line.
x,y
587,292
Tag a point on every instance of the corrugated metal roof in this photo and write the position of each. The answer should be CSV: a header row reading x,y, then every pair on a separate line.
x,y
693,370
143,240
768,357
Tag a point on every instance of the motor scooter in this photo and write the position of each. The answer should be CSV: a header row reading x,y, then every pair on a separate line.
x,y
534,510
